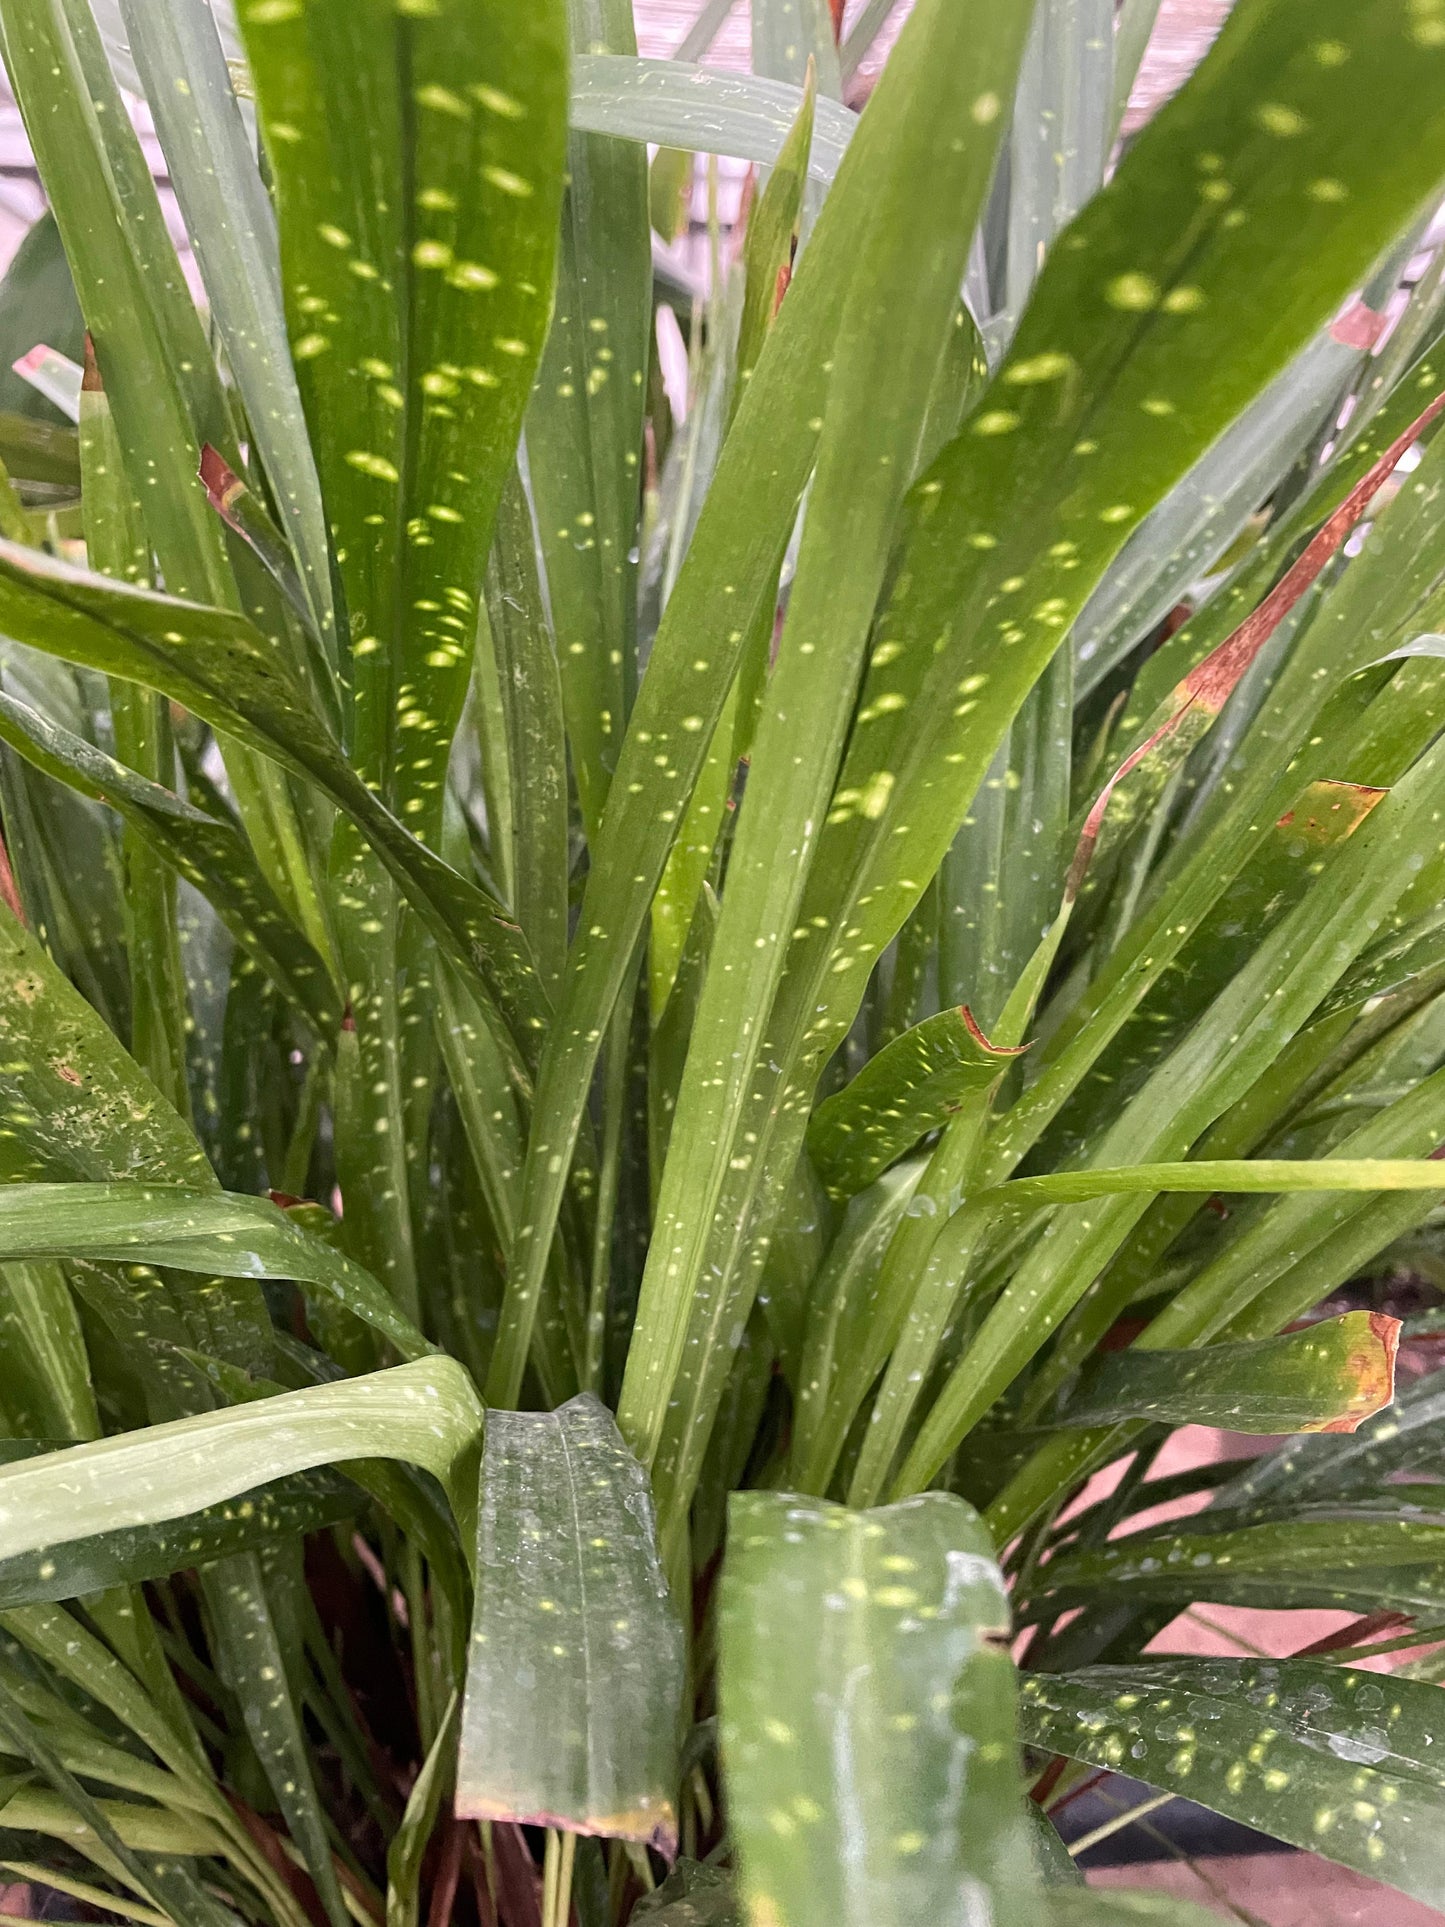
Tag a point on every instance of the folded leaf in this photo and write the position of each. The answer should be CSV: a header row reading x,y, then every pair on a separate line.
x,y
867,1716
574,1676
1326,1378
910,1087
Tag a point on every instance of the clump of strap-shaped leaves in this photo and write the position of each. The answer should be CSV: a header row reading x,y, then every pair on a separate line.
x,y
635,1037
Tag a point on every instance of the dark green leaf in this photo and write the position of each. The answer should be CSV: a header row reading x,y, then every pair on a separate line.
x,y
1337,1762
67,1570
906,1090
206,851
417,154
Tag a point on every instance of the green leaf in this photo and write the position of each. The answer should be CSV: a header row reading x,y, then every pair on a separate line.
x,y
76,1104
1119,1907
584,425
1359,1555
232,227
206,851
26,1740
37,303
37,452
1337,1762
909,1088
249,1656
677,105
228,673
895,319
205,1231
574,1675
425,1413
1032,445
787,34
285,1508
417,156
868,1716
691,1896
404,1855
530,693
1326,1378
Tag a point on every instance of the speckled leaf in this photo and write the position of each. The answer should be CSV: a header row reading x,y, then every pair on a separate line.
x,y
678,105
76,1105
910,1087
1008,490
1360,1553
221,667
534,861
246,1644
417,153
232,227
900,796
191,1230
1326,1378
941,116
867,1711
304,1502
691,1896
1337,1762
1283,867
584,425
207,851
426,1414
574,1675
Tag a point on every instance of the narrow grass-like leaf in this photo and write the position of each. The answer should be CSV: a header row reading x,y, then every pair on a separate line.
x,y
404,1855
69,1569
1326,1378
207,851
676,105
867,1715
1337,1762
584,424
232,227
907,1089
206,1231
250,1658
739,541
895,318
574,1671
530,693
221,667
426,1414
